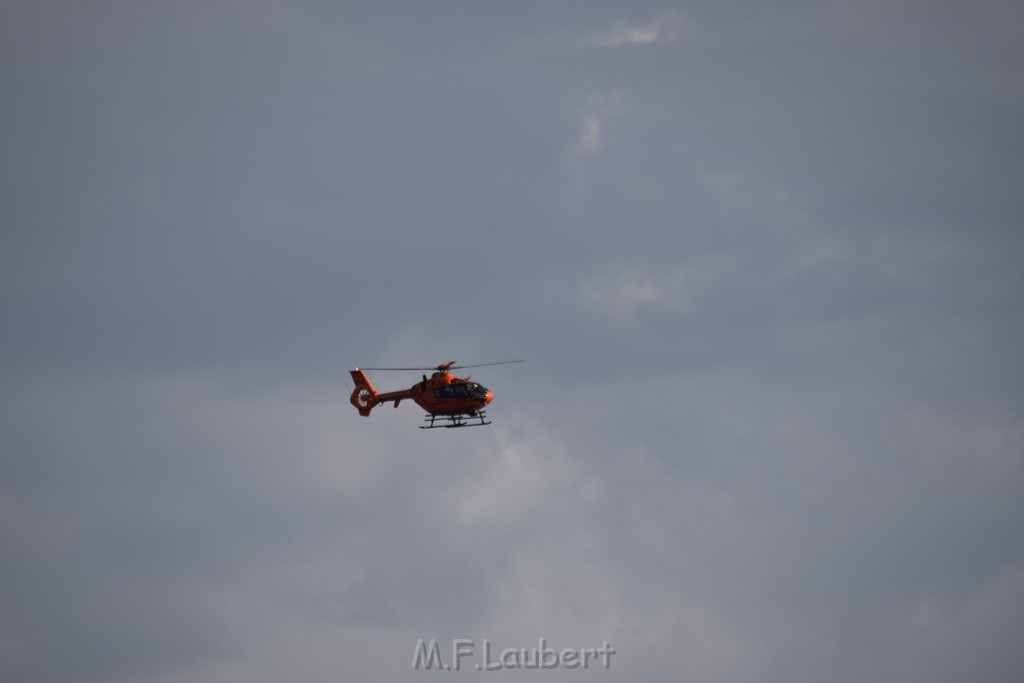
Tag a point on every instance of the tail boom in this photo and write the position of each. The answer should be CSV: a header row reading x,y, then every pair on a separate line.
x,y
365,398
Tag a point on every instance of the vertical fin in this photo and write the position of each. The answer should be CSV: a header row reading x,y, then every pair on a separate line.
x,y
364,396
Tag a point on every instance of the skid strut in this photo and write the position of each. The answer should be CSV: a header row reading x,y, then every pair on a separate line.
x,y
459,420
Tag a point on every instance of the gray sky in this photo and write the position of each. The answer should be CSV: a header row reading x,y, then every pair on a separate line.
x,y
765,259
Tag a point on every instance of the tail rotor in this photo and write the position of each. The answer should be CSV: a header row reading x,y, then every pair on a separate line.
x,y
364,396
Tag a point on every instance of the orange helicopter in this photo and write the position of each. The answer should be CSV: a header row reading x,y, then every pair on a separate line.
x,y
458,401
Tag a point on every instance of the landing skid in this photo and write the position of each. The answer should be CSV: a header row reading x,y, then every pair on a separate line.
x,y
461,420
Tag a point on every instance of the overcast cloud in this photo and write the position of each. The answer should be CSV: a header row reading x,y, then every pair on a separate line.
x,y
766,260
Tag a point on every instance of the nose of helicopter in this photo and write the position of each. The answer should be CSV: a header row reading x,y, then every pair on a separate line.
x,y
480,394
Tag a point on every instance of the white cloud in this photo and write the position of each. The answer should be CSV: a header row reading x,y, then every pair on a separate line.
x,y
939,638
622,292
748,193
663,29
596,110
525,477
590,134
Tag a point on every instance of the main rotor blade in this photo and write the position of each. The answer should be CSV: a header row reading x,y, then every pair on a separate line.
x,y
481,365
443,365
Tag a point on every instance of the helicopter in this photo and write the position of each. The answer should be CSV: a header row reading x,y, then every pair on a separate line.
x,y
453,401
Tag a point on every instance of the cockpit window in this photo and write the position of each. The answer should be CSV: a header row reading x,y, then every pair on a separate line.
x,y
461,390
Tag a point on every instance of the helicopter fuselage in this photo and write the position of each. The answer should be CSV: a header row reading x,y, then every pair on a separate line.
x,y
441,394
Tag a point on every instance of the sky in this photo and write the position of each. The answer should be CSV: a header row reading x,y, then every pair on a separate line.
x,y
765,261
